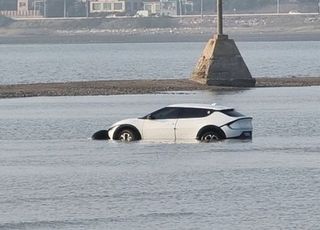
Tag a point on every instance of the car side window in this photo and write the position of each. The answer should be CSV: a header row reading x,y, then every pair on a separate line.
x,y
165,113
194,113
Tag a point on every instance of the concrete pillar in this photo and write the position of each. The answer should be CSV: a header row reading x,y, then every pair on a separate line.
x,y
221,63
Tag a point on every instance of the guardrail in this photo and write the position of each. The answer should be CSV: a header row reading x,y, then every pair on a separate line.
x,y
14,13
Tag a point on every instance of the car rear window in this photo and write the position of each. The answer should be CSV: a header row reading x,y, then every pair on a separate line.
x,y
232,113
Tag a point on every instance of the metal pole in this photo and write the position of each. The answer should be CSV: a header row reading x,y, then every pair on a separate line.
x,y
65,8
278,6
87,8
318,6
219,17
201,8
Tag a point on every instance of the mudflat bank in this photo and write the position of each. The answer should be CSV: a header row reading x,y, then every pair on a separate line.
x,y
114,87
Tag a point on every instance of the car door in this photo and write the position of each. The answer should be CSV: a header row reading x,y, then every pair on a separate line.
x,y
190,121
160,125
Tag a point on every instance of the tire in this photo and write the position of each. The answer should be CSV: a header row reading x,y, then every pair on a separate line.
x,y
210,136
100,135
127,135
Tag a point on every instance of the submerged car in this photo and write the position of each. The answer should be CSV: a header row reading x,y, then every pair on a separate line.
x,y
203,122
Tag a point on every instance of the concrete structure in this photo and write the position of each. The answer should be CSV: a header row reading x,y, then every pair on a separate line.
x,y
20,8
115,6
161,7
221,63
22,5
108,6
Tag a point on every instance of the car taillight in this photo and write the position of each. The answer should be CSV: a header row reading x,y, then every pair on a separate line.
x,y
241,124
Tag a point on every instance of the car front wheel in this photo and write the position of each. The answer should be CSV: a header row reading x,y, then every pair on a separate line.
x,y
210,136
127,135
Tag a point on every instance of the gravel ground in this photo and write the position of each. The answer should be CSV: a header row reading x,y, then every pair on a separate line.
x,y
134,87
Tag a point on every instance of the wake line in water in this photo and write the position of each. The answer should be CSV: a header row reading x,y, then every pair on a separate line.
x,y
57,223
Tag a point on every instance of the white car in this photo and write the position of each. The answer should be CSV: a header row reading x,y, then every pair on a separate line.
x,y
203,122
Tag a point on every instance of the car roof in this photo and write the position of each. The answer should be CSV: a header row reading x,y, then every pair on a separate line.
x,y
201,106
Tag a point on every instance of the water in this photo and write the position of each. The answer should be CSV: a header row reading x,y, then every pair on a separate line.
x,y
53,177
77,62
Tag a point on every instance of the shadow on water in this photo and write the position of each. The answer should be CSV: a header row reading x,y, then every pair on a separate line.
x,y
174,142
229,91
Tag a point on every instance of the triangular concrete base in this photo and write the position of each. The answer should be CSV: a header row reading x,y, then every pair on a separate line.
x,y
221,64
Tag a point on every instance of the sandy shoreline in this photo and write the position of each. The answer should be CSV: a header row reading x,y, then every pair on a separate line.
x,y
118,87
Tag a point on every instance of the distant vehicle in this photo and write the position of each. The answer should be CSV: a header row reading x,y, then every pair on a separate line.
x,y
294,12
203,122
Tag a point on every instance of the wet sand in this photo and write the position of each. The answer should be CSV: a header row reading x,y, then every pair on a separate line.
x,y
117,87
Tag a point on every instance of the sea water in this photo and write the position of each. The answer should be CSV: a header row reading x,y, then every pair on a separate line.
x,y
53,176
35,63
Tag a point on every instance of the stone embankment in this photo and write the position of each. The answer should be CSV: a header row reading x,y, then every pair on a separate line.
x,y
87,88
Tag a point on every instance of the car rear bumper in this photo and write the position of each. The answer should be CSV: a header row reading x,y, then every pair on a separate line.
x,y
239,129
244,135
237,133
